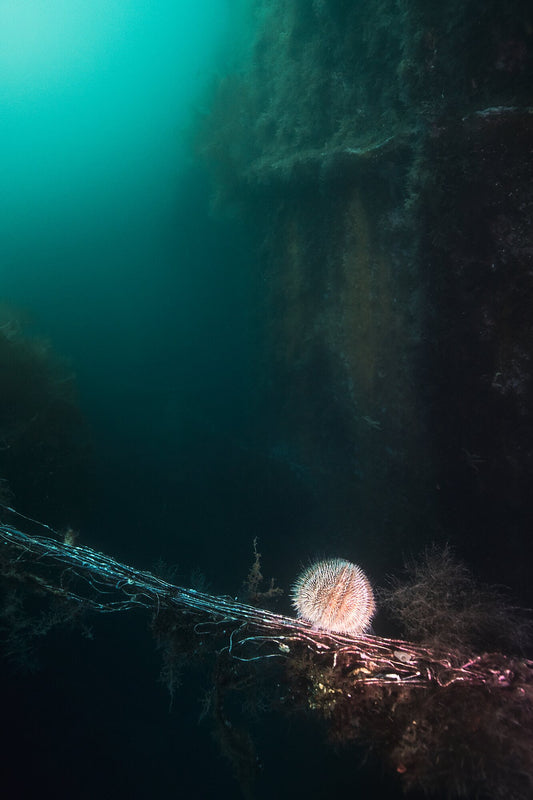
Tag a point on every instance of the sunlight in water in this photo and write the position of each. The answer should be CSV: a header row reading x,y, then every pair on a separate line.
x,y
42,43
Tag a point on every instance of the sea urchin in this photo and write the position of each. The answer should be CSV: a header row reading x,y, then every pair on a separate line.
x,y
335,595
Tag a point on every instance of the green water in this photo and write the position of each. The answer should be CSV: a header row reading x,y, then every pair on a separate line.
x,y
106,240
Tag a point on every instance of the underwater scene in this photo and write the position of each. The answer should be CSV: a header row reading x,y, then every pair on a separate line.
x,y
266,399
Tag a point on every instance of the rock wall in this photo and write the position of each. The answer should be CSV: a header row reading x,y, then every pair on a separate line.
x,y
382,156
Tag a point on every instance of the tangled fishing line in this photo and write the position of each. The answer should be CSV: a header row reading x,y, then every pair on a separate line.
x,y
411,699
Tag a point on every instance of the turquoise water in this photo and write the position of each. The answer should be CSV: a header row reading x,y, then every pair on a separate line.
x,y
96,102
95,98
108,245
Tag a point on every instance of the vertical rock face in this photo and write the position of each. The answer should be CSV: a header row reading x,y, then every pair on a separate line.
x,y
475,232
382,155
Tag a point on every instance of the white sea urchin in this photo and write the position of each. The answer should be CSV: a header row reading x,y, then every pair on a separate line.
x,y
335,595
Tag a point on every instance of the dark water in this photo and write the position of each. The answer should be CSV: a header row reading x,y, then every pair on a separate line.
x,y
109,250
